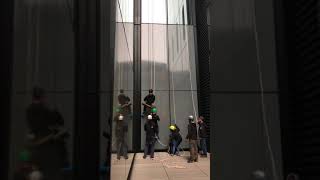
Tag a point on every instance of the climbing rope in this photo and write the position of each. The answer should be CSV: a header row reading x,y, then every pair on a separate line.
x,y
263,108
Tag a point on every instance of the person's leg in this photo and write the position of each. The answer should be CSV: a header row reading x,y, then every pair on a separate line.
x,y
177,146
191,151
118,148
201,146
125,146
204,148
152,149
195,151
174,144
146,147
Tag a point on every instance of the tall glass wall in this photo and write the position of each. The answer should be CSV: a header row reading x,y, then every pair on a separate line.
x,y
43,89
168,64
123,91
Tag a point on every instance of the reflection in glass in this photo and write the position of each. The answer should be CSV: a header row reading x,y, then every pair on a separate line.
x,y
42,91
123,92
168,67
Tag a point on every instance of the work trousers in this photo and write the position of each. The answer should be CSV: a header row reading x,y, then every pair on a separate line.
x,y
149,147
122,146
193,150
203,145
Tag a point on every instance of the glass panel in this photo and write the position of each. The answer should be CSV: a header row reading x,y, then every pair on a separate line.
x,y
125,12
162,104
182,59
43,96
177,13
154,11
121,159
154,61
175,88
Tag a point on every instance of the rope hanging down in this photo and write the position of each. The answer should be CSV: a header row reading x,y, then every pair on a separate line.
x,y
263,108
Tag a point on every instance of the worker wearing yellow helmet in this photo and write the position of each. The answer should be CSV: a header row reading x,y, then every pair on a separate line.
x,y
172,127
174,139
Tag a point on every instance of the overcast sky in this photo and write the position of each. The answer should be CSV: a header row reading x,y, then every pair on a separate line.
x,y
153,11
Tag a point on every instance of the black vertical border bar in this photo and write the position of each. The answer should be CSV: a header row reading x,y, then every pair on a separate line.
x,y
87,75
137,76
107,42
202,62
283,80
7,24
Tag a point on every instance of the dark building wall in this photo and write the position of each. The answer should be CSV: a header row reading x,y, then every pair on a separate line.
x,y
242,67
5,75
203,61
43,52
300,126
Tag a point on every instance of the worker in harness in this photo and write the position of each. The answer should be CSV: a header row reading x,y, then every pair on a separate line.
x,y
152,131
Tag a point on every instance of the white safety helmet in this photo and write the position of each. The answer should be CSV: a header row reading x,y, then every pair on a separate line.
x,y
191,119
120,118
259,174
36,175
149,117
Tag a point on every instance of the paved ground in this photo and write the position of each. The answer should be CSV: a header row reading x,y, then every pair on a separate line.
x,y
120,168
165,167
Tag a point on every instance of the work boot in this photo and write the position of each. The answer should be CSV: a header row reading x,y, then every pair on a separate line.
x,y
144,156
190,161
203,155
118,157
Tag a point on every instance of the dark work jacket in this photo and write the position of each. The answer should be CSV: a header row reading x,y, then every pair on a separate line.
x,y
47,155
151,130
39,119
175,135
121,129
149,99
192,131
202,130
123,99
155,119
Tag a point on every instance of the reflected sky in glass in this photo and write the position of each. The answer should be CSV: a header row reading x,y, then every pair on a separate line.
x,y
154,11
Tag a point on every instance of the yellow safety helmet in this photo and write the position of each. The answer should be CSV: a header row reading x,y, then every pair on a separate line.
x,y
172,127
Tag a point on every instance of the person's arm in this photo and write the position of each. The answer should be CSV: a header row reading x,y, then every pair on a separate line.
x,y
178,129
145,98
153,98
128,99
188,135
157,130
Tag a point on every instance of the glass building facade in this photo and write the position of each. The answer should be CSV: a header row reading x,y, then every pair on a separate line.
x,y
168,61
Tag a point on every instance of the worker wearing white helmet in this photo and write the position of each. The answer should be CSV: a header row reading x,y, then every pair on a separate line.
x,y
152,131
121,137
192,136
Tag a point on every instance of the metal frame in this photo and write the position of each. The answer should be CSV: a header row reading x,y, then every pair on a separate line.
x,y
87,99
136,137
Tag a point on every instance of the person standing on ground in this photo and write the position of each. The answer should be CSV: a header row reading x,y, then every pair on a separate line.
x,y
203,136
152,131
121,137
46,151
192,136
174,139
